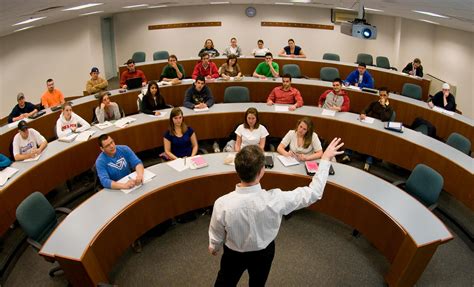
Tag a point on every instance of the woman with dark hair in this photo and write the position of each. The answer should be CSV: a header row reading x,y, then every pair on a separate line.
x,y
230,68
303,141
107,110
209,49
179,140
251,132
152,101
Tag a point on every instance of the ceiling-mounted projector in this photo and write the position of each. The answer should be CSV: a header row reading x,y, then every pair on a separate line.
x,y
359,28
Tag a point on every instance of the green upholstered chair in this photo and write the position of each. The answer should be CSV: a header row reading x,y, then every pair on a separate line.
x,y
38,219
412,91
422,129
236,94
331,56
292,69
425,184
160,55
459,142
383,62
139,57
365,58
328,74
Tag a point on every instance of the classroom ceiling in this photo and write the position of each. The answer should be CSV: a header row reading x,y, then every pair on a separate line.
x,y
460,13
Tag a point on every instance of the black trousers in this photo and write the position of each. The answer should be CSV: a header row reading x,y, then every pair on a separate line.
x,y
233,265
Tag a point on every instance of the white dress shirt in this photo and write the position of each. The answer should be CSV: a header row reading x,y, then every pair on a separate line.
x,y
251,137
248,219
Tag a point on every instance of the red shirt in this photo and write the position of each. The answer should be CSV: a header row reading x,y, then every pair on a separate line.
x,y
211,70
280,96
127,75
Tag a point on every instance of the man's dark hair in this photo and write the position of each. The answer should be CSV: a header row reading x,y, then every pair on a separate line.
x,y
362,65
201,78
288,76
102,138
248,162
418,61
383,89
337,80
269,54
49,81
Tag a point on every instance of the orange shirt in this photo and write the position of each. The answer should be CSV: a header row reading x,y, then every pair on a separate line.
x,y
52,99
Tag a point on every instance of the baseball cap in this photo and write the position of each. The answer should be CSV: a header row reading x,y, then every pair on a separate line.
x,y
94,70
22,125
445,86
20,96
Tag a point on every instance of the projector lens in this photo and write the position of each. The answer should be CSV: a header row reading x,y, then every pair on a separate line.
x,y
367,33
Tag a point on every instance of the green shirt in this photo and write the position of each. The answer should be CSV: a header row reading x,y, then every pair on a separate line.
x,y
170,73
264,69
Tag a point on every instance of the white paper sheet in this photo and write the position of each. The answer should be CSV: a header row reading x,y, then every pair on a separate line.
x,y
104,125
281,108
368,120
147,177
84,136
7,173
330,113
288,161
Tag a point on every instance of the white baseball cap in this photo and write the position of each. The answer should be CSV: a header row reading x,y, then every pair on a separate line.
x,y
446,86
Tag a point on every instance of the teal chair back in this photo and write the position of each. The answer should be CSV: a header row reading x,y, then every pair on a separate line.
x,y
425,184
393,117
36,216
412,91
160,55
459,142
331,56
365,58
328,74
236,94
422,129
139,57
382,62
292,69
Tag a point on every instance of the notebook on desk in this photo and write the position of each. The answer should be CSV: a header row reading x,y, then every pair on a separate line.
x,y
55,108
37,115
134,83
369,90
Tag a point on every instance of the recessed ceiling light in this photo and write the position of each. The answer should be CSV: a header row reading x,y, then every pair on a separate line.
x,y
135,6
28,21
24,28
284,3
221,2
91,13
372,9
157,6
430,14
428,21
83,6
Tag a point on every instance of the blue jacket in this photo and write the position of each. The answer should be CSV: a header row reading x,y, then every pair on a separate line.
x,y
114,168
367,80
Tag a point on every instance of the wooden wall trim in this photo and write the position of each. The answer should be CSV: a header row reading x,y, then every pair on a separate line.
x,y
184,25
297,25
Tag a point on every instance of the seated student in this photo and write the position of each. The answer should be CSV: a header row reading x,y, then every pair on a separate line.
x,y
96,84
233,49
360,78
444,99
27,143
260,51
70,122
292,51
153,100
209,49
179,140
205,68
107,110
381,110
22,110
335,99
303,141
52,97
267,68
414,68
286,94
230,68
131,73
173,71
251,132
116,162
198,95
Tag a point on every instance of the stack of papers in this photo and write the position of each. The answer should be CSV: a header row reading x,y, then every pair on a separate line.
x,y
147,177
353,88
201,110
104,125
179,164
330,113
7,173
69,138
368,120
281,108
288,160
161,115
443,111
124,121
84,136
198,162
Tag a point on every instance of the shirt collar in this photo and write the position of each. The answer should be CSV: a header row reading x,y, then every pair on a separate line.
x,y
249,189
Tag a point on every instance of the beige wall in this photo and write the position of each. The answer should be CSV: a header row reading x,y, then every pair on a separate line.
x,y
66,51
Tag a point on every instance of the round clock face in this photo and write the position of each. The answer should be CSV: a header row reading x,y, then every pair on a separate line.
x,y
250,11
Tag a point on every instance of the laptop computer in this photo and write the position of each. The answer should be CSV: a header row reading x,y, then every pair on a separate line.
x,y
134,83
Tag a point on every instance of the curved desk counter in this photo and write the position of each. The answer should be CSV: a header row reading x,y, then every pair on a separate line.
x,y
407,109
62,161
309,67
92,238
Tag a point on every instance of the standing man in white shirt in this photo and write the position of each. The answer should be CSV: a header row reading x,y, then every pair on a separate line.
x,y
246,221
27,143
